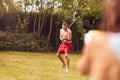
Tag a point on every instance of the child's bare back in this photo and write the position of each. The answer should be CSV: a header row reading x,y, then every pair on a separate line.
x,y
99,59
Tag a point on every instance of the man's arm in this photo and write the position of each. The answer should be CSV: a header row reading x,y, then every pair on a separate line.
x,y
61,35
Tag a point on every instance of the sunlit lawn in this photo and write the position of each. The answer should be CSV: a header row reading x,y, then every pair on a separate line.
x,y
36,66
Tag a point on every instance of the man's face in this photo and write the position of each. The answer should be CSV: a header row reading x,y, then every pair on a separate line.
x,y
65,26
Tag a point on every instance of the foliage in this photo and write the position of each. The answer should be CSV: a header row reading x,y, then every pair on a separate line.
x,y
22,26
23,42
35,16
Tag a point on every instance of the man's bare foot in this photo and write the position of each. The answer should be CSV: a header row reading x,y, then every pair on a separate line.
x,y
67,70
63,66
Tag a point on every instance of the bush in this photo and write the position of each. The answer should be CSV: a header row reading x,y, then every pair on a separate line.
x,y
23,42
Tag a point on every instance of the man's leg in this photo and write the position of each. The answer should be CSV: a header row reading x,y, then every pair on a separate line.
x,y
67,61
61,59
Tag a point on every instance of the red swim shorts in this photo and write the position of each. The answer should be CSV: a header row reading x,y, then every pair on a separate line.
x,y
64,48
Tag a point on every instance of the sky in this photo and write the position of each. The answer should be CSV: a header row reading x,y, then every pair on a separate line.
x,y
29,8
33,8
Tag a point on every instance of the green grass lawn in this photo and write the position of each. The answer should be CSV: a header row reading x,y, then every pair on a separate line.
x,y
36,66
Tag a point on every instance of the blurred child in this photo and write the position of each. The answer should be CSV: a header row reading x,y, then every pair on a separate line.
x,y
101,52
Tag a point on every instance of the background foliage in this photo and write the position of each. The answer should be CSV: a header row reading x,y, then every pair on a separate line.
x,y
23,42
33,25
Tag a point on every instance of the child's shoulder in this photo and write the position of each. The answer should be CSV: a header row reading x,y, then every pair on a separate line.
x,y
91,35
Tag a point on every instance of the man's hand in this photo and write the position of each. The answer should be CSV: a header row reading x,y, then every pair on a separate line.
x,y
65,40
62,39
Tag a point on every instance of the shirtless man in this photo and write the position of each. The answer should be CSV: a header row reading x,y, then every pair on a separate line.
x,y
65,46
101,52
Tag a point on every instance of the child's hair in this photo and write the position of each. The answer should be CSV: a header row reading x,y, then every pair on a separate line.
x,y
111,16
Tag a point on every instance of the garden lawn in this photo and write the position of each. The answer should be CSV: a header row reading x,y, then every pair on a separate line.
x,y
36,66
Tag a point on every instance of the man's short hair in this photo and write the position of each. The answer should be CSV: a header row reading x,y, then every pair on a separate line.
x,y
64,23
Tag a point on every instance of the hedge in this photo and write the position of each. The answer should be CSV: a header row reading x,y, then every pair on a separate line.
x,y
23,42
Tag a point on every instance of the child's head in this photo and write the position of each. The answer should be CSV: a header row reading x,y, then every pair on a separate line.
x,y
111,16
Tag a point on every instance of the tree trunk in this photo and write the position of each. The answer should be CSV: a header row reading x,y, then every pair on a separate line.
x,y
34,23
51,21
40,18
34,27
25,13
77,43
39,23
57,37
2,8
25,6
43,20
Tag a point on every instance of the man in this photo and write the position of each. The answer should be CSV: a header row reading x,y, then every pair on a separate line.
x,y
65,46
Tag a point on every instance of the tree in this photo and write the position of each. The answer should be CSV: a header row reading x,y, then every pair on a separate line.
x,y
10,6
2,8
37,8
22,26
51,21
43,20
